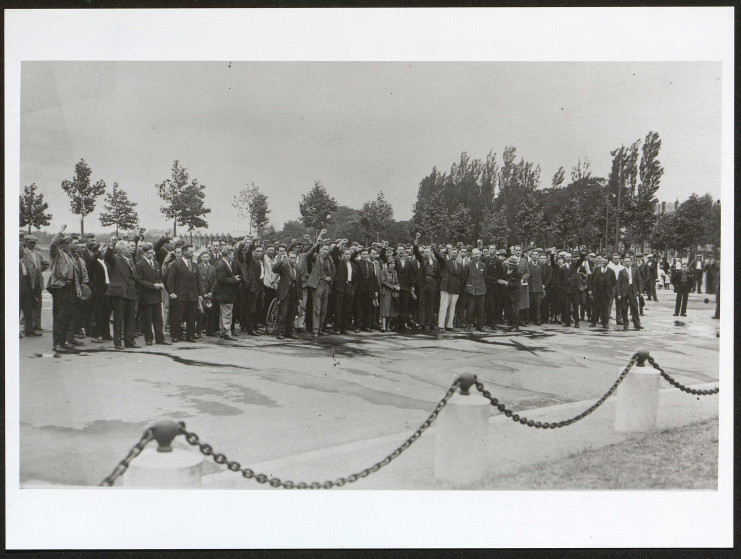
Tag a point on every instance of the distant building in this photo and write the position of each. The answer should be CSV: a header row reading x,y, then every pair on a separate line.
x,y
662,208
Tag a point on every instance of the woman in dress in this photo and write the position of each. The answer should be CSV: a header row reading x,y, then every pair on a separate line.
x,y
389,294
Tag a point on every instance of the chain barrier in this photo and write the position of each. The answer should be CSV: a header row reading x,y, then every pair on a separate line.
x,y
679,385
248,473
555,425
123,465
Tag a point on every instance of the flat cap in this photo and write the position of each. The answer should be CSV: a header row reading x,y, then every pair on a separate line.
x,y
513,260
30,238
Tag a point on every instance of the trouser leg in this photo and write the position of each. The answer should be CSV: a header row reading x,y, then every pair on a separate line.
x,y
145,314
225,318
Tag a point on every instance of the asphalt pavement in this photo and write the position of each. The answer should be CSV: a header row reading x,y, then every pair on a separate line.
x,y
308,408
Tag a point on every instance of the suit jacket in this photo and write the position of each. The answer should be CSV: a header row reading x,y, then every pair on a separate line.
x,y
146,276
494,272
474,278
183,282
207,278
251,268
407,275
340,276
452,272
286,285
35,264
314,262
225,284
603,284
429,273
514,283
97,272
367,280
571,275
121,276
536,277
623,282
677,274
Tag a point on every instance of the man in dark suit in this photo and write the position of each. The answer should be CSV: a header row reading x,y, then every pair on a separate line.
x,y
149,279
651,277
512,282
535,284
406,272
184,289
450,287
682,280
627,289
602,286
429,282
289,291
345,280
225,291
571,286
366,291
253,270
475,285
207,319
123,293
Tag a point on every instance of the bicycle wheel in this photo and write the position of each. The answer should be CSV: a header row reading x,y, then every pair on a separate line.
x,y
271,319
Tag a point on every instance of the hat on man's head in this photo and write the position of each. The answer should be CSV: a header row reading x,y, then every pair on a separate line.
x,y
649,256
502,252
295,243
74,236
65,239
31,238
536,249
459,244
615,254
145,247
512,260
592,254
639,255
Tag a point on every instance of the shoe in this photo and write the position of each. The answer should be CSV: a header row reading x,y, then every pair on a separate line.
x,y
315,334
252,333
133,346
357,330
383,330
683,314
149,343
118,347
625,327
639,327
96,340
576,325
448,329
33,334
675,314
191,340
592,325
289,336
174,341
480,329
73,341
79,335
280,337
367,329
107,339
230,337
39,329
164,342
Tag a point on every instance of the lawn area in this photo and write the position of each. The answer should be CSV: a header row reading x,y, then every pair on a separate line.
x,y
680,458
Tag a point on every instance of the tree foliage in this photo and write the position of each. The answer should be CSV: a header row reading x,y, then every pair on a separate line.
x,y
82,192
119,210
184,199
253,206
33,208
316,207
376,215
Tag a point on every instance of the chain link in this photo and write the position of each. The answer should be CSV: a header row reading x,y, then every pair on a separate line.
x,y
679,385
123,465
247,473
555,425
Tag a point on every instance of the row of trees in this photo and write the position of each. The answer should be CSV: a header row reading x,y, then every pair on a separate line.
x,y
501,203
505,203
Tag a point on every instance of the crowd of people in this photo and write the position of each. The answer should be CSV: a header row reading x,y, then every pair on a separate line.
x,y
324,286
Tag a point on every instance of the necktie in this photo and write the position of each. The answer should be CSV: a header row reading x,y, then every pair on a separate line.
x,y
293,273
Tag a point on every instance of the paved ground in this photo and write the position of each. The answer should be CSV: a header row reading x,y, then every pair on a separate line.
x,y
263,401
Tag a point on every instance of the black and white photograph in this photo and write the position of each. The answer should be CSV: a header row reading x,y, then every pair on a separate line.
x,y
332,278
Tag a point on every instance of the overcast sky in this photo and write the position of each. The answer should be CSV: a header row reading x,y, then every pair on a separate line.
x,y
358,127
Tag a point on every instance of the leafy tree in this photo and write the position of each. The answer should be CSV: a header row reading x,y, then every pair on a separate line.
x,y
33,208
82,193
253,205
119,210
516,181
558,177
431,217
316,207
664,235
184,199
691,222
640,204
376,215
460,225
495,229
529,223
565,226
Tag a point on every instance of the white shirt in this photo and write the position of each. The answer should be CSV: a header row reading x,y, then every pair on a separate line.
x,y
630,275
269,278
105,270
262,270
349,271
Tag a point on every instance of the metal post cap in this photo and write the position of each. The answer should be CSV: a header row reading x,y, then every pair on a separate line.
x,y
641,356
466,381
164,431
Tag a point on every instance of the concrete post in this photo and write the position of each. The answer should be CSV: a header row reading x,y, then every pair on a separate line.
x,y
165,467
178,469
638,399
462,435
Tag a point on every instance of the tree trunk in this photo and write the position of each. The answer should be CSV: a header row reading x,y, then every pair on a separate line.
x,y
117,232
174,229
82,226
29,228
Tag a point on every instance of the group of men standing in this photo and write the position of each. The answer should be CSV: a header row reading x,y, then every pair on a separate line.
x,y
326,283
